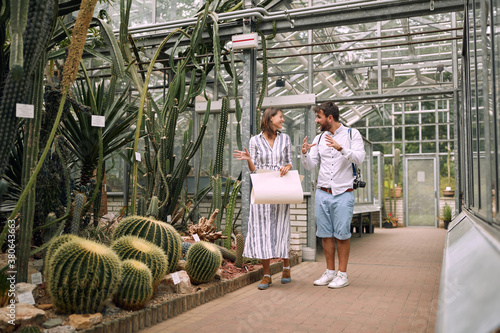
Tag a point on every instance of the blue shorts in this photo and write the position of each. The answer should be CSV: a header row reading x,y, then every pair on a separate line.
x,y
333,214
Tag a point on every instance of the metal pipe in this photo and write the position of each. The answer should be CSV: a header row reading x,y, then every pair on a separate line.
x,y
264,15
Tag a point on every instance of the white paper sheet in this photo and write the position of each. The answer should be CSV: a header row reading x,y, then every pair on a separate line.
x,y
270,188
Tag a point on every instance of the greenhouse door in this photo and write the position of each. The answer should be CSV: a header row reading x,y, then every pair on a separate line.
x,y
420,191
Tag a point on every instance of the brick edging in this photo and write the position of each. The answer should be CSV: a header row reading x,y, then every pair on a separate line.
x,y
148,317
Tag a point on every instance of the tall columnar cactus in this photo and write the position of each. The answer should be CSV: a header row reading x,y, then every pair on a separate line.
x,y
240,245
77,213
132,247
136,287
157,232
202,262
229,214
153,208
141,207
219,156
83,275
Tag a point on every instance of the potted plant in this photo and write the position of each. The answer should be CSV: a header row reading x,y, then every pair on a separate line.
x,y
446,215
448,192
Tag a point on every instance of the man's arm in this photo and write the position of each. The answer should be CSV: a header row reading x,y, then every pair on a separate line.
x,y
310,154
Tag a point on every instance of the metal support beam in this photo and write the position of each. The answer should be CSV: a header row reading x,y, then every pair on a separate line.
x,y
248,114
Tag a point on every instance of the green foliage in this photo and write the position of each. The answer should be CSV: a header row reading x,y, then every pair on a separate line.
x,y
202,262
83,275
132,247
4,290
136,287
240,245
81,137
157,232
447,213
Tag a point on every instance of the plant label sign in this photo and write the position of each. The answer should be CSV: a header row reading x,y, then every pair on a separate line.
x,y
196,238
169,218
98,121
36,278
138,156
26,298
25,110
175,278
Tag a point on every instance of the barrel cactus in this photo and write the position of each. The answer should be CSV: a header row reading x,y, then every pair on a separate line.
x,y
136,287
83,275
29,329
202,262
157,232
132,247
53,247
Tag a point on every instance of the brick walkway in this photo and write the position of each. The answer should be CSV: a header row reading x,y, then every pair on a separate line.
x,y
394,285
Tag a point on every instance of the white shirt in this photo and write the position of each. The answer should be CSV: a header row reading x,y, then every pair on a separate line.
x,y
335,171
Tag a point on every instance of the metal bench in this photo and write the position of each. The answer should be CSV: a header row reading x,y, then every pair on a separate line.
x,y
361,210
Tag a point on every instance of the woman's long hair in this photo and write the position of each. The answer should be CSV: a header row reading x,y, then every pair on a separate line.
x,y
265,121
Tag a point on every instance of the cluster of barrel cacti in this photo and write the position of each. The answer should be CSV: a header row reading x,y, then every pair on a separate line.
x,y
157,232
82,275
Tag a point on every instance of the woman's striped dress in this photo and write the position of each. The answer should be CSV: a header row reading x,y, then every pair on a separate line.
x,y
268,233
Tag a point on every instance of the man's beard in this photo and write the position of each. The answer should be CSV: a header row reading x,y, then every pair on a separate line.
x,y
323,127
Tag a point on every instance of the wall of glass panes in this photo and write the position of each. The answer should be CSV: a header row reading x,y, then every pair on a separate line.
x,y
479,122
414,127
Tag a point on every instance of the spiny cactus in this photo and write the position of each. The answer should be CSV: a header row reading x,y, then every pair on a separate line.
x,y
77,213
157,232
227,254
52,248
185,247
153,208
229,214
83,275
141,207
29,329
132,247
4,290
240,245
202,262
136,287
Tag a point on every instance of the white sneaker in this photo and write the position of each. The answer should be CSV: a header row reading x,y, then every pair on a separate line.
x,y
339,281
325,279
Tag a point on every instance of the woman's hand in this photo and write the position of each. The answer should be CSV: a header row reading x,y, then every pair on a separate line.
x,y
284,169
242,155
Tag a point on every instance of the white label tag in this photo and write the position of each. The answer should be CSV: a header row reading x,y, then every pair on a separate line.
x,y
26,298
196,238
36,278
138,156
25,110
175,278
169,218
98,121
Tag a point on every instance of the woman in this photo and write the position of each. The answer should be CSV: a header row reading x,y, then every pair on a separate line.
x,y
269,224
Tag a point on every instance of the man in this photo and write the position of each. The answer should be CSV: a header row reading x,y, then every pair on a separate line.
x,y
336,148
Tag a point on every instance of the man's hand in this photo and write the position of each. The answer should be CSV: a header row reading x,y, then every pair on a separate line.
x,y
306,146
330,142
